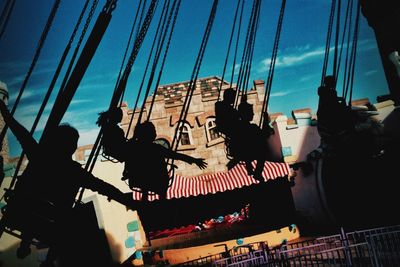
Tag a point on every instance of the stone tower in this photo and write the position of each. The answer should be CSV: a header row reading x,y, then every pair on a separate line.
x,y
4,97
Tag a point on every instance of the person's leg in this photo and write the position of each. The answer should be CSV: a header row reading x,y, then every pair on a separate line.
x,y
24,247
249,167
259,169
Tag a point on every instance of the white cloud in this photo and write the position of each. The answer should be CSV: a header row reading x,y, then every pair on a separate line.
x,y
288,92
81,119
279,93
371,72
305,54
14,65
28,93
291,60
27,122
80,101
16,80
237,68
307,78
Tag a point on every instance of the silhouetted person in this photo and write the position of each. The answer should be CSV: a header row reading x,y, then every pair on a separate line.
x,y
113,141
226,116
146,167
253,141
383,17
227,120
49,185
335,118
266,127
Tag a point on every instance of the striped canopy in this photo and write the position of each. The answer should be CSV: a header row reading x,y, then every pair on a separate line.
x,y
218,182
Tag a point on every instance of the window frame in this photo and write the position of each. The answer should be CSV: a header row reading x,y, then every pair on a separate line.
x,y
188,131
209,128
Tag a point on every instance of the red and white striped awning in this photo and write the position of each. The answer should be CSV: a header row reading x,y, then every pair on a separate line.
x,y
218,182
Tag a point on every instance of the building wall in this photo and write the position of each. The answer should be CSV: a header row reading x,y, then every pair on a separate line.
x,y
4,97
296,140
122,226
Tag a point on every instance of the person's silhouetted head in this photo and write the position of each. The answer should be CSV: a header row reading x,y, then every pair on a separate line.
x,y
229,95
145,132
111,116
330,81
63,140
328,90
246,111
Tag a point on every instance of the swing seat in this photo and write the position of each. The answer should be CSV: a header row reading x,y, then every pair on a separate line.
x,y
141,184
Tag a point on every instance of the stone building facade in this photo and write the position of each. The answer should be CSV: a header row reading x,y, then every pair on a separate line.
x,y
4,97
199,136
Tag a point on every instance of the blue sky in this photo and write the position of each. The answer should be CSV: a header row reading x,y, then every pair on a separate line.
x,y
297,73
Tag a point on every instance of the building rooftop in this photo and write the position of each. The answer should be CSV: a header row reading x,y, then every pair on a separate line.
x,y
173,93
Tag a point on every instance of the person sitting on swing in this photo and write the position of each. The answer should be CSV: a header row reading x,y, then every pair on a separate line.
x,y
114,141
226,116
335,119
51,181
227,120
147,168
255,147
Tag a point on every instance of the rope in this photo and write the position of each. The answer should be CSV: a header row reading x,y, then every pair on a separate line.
x,y
145,70
271,71
237,45
138,43
164,59
335,56
160,44
127,47
193,80
136,35
354,50
328,41
251,52
5,16
50,89
244,55
242,85
34,61
348,13
347,51
229,48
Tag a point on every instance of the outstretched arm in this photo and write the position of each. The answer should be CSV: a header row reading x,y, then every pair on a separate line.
x,y
95,184
179,156
28,143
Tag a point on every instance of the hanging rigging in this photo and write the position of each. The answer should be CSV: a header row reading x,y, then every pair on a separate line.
x,y
5,16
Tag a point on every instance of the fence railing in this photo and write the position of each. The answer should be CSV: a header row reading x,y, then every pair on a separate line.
x,y
385,248
370,247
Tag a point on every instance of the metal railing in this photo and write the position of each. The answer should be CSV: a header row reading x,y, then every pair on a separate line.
x,y
385,248
370,247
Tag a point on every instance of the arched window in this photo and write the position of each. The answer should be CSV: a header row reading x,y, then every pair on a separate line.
x,y
211,130
186,135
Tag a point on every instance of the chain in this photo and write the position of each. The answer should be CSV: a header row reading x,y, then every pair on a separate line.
x,y
140,37
87,22
110,6
71,40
